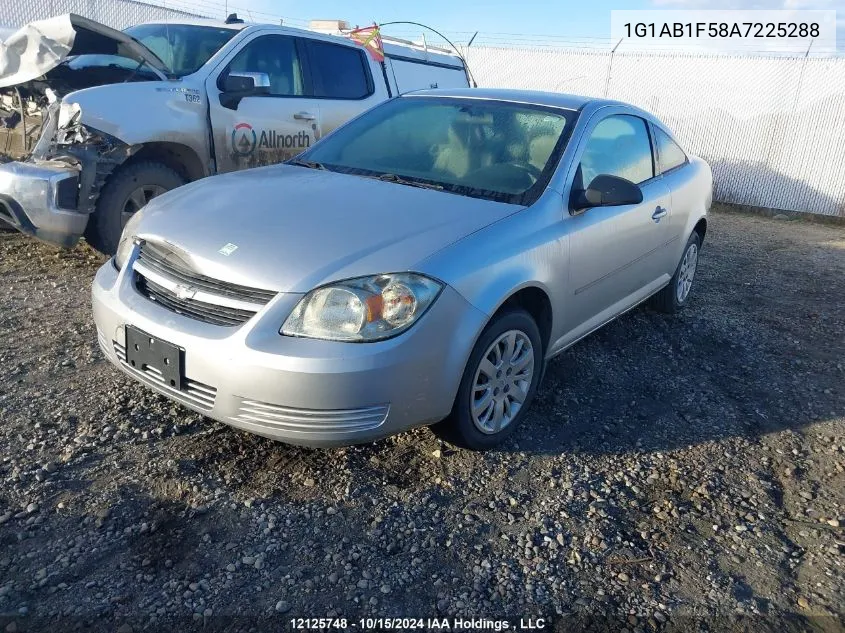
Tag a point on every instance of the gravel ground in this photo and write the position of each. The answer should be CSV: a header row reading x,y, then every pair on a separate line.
x,y
675,473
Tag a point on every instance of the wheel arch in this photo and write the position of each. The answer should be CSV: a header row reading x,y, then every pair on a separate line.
x,y
701,228
535,300
178,157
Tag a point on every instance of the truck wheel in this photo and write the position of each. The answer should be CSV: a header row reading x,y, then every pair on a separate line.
x,y
126,192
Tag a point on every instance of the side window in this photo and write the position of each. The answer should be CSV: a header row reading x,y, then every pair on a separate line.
x,y
671,155
275,55
618,146
338,71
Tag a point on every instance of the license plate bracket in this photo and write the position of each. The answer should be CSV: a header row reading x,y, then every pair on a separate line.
x,y
146,352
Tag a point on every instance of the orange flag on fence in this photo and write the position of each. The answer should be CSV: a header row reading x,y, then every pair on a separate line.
x,y
370,38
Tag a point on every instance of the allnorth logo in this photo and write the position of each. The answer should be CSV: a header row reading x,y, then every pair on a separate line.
x,y
245,140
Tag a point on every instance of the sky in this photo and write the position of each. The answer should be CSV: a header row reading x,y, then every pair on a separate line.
x,y
496,20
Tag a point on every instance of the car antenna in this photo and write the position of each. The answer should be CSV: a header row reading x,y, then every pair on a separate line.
x,y
233,18
448,41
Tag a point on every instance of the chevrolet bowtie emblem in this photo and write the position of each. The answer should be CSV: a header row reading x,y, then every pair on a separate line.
x,y
184,292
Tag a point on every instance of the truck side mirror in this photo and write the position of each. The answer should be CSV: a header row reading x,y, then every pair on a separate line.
x,y
236,86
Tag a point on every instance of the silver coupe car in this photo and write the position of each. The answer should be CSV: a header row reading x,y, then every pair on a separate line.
x,y
419,265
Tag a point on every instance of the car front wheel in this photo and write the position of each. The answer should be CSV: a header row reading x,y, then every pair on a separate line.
x,y
498,384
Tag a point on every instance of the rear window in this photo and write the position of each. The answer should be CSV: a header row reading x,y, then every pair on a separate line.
x,y
671,155
339,72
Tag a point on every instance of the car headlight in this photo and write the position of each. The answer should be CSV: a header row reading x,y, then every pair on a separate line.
x,y
363,309
127,240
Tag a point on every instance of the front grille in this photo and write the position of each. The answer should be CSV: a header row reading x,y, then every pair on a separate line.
x,y
167,279
172,266
195,393
207,312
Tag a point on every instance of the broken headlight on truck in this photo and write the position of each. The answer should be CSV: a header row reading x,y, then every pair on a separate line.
x,y
363,309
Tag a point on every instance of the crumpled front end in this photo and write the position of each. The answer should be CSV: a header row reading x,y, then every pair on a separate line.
x,y
57,168
52,166
51,193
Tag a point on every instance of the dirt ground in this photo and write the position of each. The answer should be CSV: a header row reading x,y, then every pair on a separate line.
x,y
676,473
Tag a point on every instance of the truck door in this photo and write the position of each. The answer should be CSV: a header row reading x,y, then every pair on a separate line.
x,y
346,82
266,129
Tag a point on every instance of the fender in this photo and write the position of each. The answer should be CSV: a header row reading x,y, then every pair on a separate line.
x,y
147,112
700,190
523,250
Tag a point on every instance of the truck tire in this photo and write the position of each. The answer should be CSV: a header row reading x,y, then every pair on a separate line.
x,y
126,191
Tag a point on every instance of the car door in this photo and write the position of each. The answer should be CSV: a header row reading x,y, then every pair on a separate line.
x,y
343,81
264,129
674,168
615,257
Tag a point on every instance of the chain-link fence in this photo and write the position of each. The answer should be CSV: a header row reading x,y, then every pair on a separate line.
x,y
118,14
773,128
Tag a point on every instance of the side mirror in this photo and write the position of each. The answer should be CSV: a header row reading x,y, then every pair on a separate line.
x,y
236,86
606,191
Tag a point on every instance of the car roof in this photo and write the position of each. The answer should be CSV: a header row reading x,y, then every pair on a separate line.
x,y
534,97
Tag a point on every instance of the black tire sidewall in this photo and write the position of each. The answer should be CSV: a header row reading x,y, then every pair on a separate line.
x,y
461,428
104,225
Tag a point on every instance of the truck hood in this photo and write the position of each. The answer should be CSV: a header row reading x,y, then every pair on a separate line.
x,y
291,229
39,47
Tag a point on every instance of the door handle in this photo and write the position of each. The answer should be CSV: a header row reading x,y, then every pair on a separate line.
x,y
304,116
659,212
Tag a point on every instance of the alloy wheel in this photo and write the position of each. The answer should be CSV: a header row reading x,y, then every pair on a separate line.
x,y
502,382
686,274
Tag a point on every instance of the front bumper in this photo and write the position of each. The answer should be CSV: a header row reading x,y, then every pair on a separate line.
x,y
40,198
297,390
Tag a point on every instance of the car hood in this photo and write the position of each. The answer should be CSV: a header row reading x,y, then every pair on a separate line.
x,y
292,229
38,47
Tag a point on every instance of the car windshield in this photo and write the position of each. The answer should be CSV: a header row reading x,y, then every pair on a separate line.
x,y
184,48
481,148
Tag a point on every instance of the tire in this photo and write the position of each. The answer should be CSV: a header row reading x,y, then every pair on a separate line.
x,y
119,198
672,298
461,428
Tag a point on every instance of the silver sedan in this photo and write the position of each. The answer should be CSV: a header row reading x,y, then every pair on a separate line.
x,y
417,266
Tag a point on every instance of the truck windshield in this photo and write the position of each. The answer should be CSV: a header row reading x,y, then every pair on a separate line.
x,y
185,48
480,148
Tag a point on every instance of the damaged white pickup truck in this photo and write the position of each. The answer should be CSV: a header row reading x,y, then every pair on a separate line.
x,y
95,122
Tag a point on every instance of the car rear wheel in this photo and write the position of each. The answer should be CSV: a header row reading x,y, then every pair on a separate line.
x,y
677,294
126,192
498,384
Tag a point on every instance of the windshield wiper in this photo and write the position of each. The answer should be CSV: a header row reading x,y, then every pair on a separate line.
x,y
399,180
310,164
